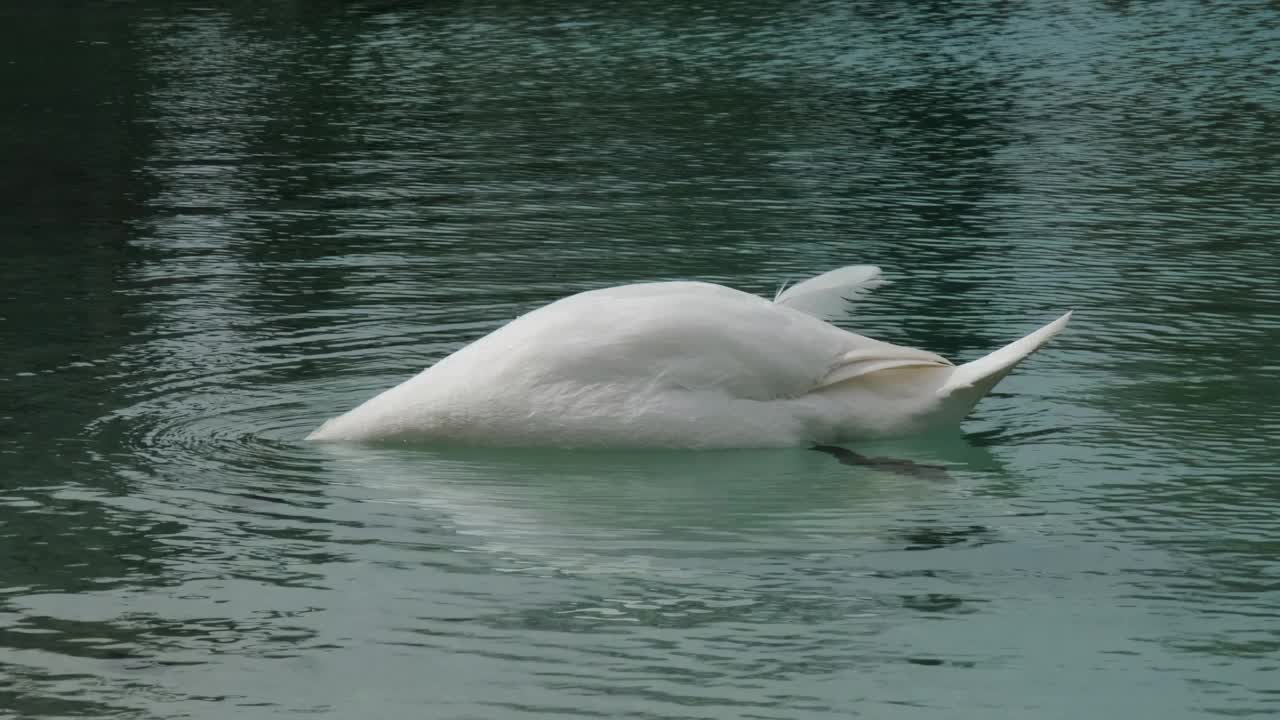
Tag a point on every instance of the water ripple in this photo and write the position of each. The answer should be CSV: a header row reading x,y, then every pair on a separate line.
x,y
307,208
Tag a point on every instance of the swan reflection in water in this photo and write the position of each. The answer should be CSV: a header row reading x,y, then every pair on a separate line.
x,y
631,511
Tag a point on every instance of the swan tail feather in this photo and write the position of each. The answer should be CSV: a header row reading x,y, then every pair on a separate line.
x,y
829,296
969,382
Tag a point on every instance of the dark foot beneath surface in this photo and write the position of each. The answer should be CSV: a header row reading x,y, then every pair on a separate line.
x,y
902,467
932,538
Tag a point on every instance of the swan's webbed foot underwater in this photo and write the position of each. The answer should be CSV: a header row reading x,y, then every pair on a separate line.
x,y
902,467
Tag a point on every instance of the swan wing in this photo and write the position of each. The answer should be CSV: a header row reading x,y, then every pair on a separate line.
x,y
697,336
690,336
869,356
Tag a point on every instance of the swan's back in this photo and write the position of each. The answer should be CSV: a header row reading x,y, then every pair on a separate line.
x,y
678,363
688,336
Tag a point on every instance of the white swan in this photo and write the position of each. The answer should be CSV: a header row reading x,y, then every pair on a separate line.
x,y
683,364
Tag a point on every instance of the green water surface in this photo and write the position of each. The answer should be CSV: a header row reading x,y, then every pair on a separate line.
x,y
222,223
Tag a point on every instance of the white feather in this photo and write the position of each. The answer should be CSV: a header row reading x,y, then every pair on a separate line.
x,y
830,296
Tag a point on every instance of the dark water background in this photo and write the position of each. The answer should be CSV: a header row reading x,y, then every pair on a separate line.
x,y
222,223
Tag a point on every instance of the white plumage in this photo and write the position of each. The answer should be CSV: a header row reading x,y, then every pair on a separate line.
x,y
683,364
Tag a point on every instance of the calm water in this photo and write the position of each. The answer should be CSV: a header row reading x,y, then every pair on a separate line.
x,y
222,226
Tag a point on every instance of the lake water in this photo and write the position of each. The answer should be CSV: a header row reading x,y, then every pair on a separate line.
x,y
222,226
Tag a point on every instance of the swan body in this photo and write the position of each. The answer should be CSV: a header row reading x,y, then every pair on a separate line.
x,y
683,364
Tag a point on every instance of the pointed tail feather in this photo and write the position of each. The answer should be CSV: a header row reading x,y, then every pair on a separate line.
x,y
969,382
